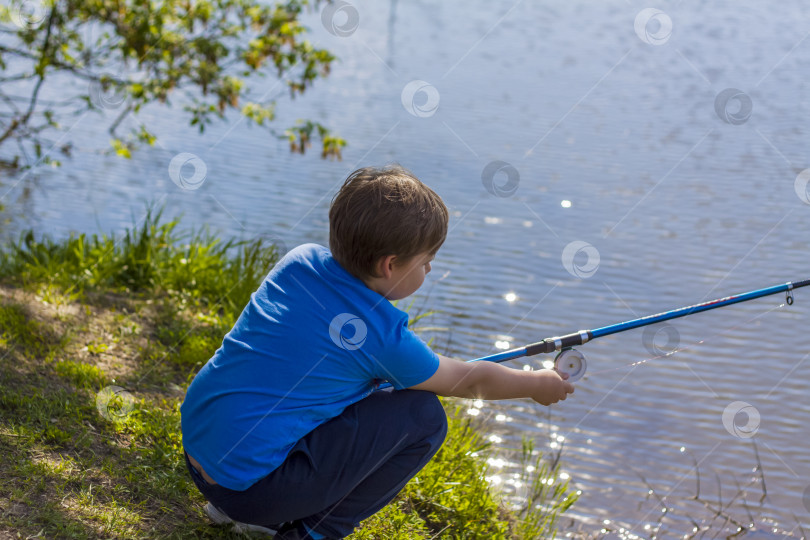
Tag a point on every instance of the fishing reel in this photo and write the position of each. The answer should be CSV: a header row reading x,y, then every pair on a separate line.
x,y
572,362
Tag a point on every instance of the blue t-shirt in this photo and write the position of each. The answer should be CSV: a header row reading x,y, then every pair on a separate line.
x,y
312,340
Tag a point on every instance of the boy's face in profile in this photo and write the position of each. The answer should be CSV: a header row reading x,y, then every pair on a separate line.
x,y
404,278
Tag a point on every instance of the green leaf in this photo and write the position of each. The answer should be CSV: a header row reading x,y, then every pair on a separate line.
x,y
121,149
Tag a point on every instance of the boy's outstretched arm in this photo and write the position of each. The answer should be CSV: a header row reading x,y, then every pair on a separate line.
x,y
488,380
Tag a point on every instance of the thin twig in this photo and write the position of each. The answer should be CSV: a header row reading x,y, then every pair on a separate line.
x,y
120,118
56,63
761,472
745,503
43,55
697,476
652,491
799,525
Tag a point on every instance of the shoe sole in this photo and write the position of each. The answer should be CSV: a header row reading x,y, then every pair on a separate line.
x,y
220,518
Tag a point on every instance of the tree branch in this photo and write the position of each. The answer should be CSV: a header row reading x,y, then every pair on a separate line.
x,y
43,55
120,118
61,65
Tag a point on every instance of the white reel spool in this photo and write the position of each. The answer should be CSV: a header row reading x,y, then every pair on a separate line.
x,y
572,362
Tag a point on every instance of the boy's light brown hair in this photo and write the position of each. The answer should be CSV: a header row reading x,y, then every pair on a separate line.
x,y
383,211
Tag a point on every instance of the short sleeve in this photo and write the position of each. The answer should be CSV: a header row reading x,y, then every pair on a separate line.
x,y
406,360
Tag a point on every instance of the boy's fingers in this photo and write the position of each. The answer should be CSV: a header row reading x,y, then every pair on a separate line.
x,y
569,387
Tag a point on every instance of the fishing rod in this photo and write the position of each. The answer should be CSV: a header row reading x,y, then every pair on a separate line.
x,y
571,361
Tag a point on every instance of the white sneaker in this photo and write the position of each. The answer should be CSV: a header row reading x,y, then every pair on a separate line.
x,y
221,518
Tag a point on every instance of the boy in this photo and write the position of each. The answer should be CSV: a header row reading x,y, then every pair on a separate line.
x,y
282,428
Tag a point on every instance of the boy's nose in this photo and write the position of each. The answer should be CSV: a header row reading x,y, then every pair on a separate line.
x,y
427,268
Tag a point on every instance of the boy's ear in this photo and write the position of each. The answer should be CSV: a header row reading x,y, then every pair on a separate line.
x,y
385,266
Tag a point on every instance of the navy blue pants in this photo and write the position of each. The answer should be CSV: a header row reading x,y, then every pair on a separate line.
x,y
346,469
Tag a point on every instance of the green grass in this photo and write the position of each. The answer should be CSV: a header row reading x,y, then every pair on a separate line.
x,y
144,311
153,257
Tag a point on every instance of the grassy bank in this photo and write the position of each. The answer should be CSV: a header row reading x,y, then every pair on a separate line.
x,y
138,315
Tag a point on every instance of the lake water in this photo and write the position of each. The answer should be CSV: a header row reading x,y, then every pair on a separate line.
x,y
615,121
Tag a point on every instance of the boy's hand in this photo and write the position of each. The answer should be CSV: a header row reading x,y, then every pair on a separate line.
x,y
551,386
488,380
